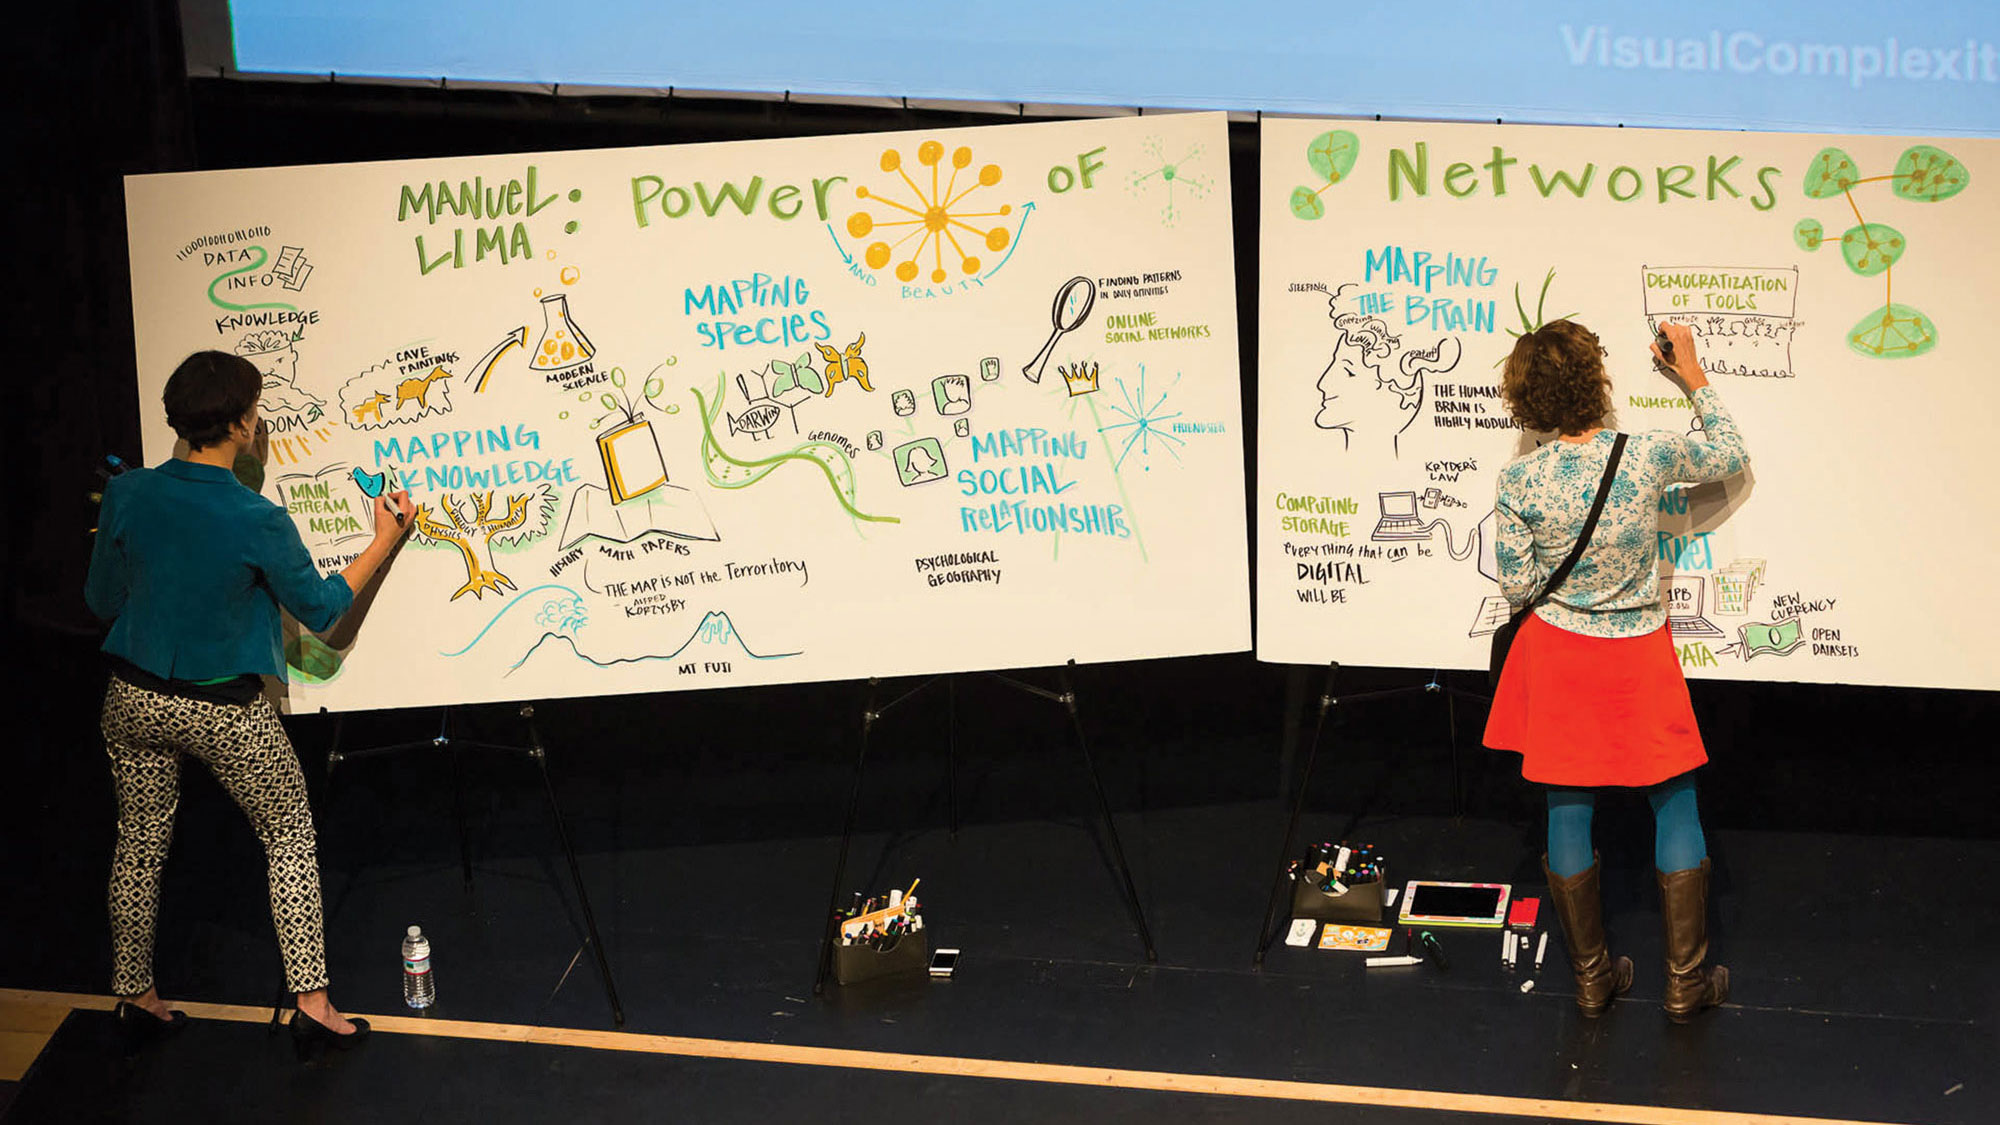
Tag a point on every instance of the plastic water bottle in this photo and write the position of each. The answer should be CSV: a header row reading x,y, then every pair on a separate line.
x,y
419,991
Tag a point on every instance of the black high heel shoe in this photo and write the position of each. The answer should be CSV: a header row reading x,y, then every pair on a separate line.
x,y
138,1027
309,1036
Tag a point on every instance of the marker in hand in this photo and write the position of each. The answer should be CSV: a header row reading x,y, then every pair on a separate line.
x,y
1664,346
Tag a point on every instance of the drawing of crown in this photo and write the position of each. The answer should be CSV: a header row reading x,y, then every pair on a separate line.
x,y
1082,380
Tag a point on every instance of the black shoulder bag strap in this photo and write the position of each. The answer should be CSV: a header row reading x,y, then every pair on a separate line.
x,y
1589,525
1503,639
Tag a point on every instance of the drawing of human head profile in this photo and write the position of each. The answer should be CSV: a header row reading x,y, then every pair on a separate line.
x,y
1373,386
283,403
1353,402
919,462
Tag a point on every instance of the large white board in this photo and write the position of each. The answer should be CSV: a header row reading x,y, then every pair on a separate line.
x,y
1841,290
694,416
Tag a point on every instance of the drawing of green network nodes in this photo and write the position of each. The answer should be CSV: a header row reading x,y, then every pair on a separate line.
x,y
1331,157
726,471
1923,174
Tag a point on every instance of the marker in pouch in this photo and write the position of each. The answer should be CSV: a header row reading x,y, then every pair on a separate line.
x,y
1333,884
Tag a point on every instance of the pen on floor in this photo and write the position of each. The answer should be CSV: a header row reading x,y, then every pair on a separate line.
x,y
1506,948
1541,948
1436,950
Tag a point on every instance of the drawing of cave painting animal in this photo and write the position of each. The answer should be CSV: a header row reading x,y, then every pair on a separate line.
x,y
372,406
418,389
846,364
284,404
1358,400
528,516
388,393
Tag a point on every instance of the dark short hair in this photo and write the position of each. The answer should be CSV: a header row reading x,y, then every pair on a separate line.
x,y
208,393
1554,381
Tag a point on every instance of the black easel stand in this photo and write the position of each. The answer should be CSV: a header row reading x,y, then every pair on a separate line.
x,y
871,714
534,751
1327,700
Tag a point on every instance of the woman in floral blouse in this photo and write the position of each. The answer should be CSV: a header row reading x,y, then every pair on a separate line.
x,y
1592,693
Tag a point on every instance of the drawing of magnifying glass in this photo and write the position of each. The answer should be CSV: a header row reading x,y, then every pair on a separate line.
x,y
1072,305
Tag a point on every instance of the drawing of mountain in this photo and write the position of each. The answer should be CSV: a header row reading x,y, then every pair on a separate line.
x,y
714,638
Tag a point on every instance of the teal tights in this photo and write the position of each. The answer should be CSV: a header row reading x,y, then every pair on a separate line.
x,y
1677,840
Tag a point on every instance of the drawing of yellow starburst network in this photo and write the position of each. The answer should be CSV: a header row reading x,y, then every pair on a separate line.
x,y
935,214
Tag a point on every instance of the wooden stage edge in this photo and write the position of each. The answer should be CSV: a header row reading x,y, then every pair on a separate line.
x,y
1218,1085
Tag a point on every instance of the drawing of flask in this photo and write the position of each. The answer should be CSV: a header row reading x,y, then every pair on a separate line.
x,y
563,344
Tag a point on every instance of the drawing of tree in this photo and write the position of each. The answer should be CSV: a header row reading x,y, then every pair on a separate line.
x,y
528,516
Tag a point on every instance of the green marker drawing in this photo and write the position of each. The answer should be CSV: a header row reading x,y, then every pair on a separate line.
x,y
262,257
811,453
1923,174
1331,157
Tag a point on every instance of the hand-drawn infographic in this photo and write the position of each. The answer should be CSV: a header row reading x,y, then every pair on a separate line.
x,y
1356,395
1922,174
284,406
1402,262
941,214
1170,180
476,525
776,411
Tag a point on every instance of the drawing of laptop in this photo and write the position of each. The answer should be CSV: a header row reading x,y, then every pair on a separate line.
x,y
1684,595
1399,517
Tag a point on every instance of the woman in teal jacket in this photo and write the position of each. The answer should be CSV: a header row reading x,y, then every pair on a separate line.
x,y
191,569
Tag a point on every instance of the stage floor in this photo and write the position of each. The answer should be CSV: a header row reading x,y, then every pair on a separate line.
x,y
1860,989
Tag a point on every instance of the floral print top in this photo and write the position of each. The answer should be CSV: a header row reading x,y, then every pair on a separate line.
x,y
1546,495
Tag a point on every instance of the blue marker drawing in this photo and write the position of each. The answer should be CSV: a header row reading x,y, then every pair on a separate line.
x,y
1027,209
715,628
504,610
844,255
1148,421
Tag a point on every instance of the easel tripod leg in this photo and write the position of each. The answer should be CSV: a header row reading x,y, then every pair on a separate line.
x,y
457,800
1264,934
575,871
951,751
1104,809
868,717
1457,778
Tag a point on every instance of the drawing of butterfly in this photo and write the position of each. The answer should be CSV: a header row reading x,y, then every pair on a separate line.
x,y
849,365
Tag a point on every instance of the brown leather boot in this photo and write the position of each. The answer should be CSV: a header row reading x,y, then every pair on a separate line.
x,y
1580,908
1691,986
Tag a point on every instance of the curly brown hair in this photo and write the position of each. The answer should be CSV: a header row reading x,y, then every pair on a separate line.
x,y
1554,381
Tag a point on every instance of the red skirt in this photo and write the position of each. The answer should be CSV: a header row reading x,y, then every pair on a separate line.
x,y
1588,711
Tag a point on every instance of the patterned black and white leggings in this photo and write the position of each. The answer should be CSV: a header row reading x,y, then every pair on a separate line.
x,y
246,748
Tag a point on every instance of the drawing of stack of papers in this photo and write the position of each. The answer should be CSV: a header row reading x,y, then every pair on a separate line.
x,y
1735,584
667,510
